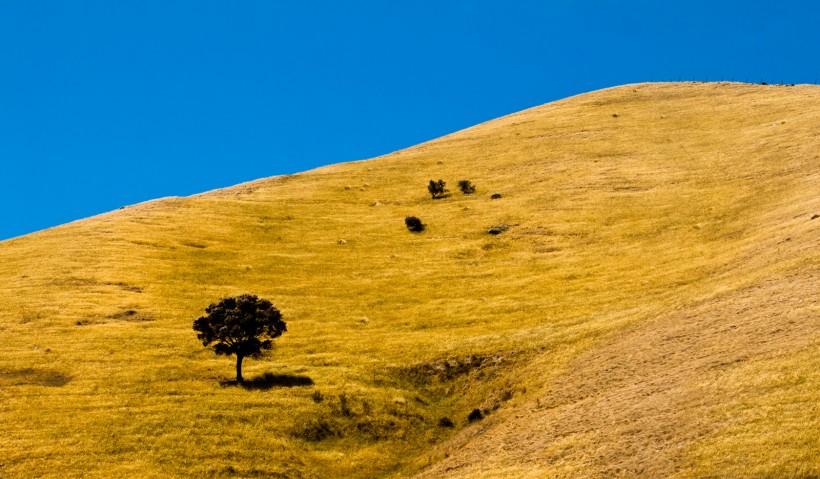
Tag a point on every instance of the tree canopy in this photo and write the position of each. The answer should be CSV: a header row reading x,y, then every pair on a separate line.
x,y
244,326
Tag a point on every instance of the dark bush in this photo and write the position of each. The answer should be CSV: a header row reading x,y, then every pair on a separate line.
x,y
495,196
445,422
414,224
475,415
437,189
466,187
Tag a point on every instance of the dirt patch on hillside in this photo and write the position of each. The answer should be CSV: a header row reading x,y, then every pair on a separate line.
x,y
635,407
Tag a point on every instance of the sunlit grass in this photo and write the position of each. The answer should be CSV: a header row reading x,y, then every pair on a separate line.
x,y
769,421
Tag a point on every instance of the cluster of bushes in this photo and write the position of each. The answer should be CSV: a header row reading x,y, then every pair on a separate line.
x,y
438,189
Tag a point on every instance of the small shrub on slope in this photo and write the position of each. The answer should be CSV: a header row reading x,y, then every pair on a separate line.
x,y
437,189
414,224
466,186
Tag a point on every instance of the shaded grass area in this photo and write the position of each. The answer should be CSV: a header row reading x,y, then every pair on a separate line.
x,y
32,376
267,381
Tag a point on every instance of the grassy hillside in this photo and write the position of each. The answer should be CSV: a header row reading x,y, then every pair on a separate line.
x,y
651,310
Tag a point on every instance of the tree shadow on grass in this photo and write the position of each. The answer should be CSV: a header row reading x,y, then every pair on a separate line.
x,y
31,376
269,381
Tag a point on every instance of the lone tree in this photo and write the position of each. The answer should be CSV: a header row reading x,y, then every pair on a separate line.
x,y
244,325
437,189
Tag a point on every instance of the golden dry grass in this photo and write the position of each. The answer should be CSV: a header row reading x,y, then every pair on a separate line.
x,y
651,310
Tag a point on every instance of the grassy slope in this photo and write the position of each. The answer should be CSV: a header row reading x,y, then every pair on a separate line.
x,y
623,228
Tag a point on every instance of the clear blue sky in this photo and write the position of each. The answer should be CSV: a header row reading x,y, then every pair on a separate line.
x,y
108,103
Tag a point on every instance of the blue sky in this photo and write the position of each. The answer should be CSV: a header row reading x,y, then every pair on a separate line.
x,y
105,104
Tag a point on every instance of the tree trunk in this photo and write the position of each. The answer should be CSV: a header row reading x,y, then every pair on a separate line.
x,y
239,368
